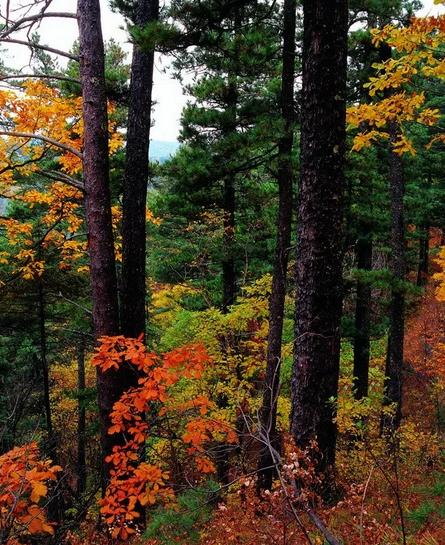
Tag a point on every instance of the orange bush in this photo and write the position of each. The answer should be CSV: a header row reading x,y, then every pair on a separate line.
x,y
23,486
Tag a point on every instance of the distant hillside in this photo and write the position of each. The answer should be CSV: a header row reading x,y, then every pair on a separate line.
x,y
161,150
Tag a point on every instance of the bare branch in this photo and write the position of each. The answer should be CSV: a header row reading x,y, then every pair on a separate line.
x,y
42,47
40,76
51,141
87,310
317,522
63,177
8,5
18,25
275,455
362,510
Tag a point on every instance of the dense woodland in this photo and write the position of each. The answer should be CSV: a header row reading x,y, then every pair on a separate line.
x,y
245,344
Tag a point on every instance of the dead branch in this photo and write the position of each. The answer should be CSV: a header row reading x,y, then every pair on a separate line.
x,y
51,141
40,76
42,47
63,177
32,19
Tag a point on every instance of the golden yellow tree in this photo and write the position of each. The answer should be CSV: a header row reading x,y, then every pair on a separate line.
x,y
417,47
42,138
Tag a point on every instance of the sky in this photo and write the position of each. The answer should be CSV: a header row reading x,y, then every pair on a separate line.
x,y
61,33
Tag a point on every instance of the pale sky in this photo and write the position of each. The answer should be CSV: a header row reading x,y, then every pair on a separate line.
x,y
61,33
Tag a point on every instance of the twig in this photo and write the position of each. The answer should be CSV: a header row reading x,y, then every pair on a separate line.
x,y
42,47
317,522
363,502
88,311
31,19
40,76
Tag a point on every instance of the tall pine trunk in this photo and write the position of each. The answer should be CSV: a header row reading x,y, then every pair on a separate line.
x,y
81,420
98,206
319,234
228,261
394,359
362,321
229,196
51,446
268,414
424,241
133,294
362,339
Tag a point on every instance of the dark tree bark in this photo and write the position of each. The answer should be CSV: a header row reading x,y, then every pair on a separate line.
x,y
319,234
45,371
424,240
268,414
98,205
229,198
228,262
362,321
81,420
362,341
394,360
54,506
133,294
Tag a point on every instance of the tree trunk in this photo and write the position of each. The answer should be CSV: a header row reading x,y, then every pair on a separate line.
x,y
81,421
424,240
228,262
268,414
394,360
136,179
98,206
54,507
362,321
362,332
51,447
229,198
319,234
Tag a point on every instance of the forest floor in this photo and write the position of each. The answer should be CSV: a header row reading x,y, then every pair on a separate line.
x,y
388,490
392,491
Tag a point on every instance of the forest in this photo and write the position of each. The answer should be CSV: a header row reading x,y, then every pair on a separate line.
x,y
246,343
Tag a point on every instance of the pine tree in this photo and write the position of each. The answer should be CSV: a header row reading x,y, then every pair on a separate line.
x,y
319,235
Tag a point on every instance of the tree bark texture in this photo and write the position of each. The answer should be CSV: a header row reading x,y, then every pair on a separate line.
x,y
45,371
54,505
394,360
133,289
362,321
362,341
268,414
81,420
98,204
319,234
228,261
424,241
229,196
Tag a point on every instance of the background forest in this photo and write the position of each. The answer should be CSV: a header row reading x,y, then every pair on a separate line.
x,y
243,343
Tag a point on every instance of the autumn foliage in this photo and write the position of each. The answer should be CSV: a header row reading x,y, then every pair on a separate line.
x,y
134,481
24,478
416,57
190,426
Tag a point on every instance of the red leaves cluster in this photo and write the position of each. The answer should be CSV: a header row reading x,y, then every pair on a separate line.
x,y
23,478
134,482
